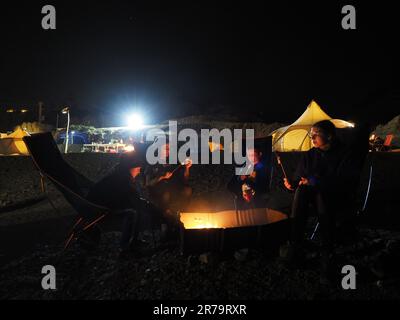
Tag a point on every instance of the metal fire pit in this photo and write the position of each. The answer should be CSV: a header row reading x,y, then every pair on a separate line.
x,y
230,230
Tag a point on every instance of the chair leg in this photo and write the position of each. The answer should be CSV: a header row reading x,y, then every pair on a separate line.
x,y
94,222
72,233
315,231
67,243
42,185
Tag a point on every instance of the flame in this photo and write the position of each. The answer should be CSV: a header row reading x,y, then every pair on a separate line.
x,y
230,218
199,223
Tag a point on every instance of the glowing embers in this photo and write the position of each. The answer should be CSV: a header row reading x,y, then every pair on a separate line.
x,y
230,218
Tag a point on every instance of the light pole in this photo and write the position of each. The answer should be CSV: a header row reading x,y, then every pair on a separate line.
x,y
66,111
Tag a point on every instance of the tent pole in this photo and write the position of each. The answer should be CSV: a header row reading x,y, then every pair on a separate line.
x,y
303,140
280,137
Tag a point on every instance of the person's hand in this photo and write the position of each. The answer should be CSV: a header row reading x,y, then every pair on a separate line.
x,y
135,172
287,184
188,163
304,182
167,176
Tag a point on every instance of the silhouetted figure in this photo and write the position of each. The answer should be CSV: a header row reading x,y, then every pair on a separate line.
x,y
122,190
326,179
168,189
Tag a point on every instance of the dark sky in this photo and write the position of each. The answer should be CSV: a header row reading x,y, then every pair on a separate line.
x,y
180,58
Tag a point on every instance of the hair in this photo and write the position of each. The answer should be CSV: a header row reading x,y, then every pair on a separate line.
x,y
327,127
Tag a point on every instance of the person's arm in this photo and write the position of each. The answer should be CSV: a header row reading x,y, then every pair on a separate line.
x,y
300,173
150,181
186,173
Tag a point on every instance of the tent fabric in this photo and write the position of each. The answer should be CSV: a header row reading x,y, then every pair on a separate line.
x,y
391,128
294,137
13,144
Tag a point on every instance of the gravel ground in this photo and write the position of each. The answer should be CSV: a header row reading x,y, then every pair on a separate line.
x,y
31,238
163,273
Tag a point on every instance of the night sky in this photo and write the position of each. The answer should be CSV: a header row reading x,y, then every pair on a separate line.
x,y
260,61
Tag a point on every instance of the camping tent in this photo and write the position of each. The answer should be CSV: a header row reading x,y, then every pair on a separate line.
x,y
13,144
391,128
295,136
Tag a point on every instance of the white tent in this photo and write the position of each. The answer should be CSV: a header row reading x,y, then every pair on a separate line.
x,y
295,136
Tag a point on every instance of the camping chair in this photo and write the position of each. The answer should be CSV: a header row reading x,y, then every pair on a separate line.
x,y
74,186
356,157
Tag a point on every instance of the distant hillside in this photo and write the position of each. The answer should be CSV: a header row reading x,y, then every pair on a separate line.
x,y
207,122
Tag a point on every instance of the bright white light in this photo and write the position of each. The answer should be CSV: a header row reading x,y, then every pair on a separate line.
x,y
135,121
129,148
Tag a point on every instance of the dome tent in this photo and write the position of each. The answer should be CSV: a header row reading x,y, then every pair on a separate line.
x,y
13,144
295,136
391,128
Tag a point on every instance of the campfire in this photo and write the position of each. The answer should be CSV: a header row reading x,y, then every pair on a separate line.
x,y
230,218
227,230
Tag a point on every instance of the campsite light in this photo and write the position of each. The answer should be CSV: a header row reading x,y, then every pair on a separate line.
x,y
72,137
10,111
135,121
129,148
24,110
66,111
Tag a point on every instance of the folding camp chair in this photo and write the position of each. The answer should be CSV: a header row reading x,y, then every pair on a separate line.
x,y
74,186
357,154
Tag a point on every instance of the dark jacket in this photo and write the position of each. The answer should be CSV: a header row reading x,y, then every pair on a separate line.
x,y
118,190
258,181
331,170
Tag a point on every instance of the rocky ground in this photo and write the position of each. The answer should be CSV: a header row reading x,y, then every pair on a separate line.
x,y
163,273
32,237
